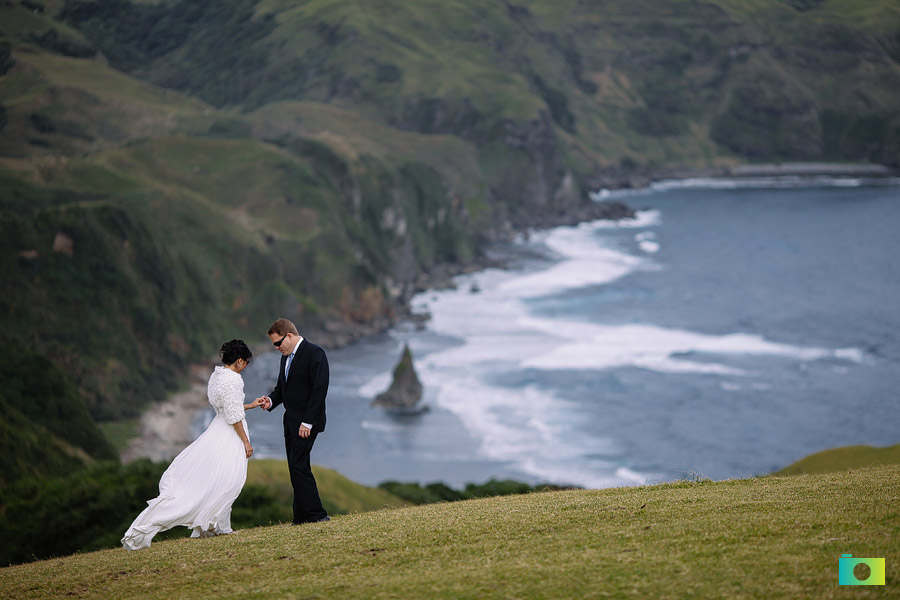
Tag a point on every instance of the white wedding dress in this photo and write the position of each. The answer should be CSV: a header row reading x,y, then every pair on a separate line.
x,y
201,484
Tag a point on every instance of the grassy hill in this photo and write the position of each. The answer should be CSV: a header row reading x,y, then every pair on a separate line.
x,y
768,537
841,459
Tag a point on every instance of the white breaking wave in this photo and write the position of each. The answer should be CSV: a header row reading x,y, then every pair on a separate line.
x,y
598,267
376,385
735,183
528,427
647,242
590,346
531,428
583,262
382,426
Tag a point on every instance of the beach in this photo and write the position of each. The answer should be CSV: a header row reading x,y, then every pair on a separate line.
x,y
167,427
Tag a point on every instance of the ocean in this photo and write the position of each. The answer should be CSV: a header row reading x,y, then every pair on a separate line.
x,y
730,329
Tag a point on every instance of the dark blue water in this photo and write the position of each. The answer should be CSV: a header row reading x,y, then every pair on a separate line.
x,y
726,333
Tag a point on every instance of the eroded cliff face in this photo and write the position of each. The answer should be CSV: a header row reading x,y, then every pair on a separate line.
x,y
528,184
533,184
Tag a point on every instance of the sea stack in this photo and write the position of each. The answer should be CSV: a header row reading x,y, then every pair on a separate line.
x,y
405,392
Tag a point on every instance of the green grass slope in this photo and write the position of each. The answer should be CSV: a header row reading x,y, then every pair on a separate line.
x,y
769,537
841,459
340,494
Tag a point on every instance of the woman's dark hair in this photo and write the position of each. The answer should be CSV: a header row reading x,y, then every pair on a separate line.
x,y
233,350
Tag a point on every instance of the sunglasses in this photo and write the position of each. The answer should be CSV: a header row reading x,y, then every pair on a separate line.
x,y
278,343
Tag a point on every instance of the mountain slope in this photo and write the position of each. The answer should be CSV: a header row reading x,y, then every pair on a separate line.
x,y
158,234
591,84
176,173
176,242
46,429
30,450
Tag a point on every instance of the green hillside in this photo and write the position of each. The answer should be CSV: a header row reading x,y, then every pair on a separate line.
x,y
666,82
769,537
30,450
179,172
181,232
46,428
842,459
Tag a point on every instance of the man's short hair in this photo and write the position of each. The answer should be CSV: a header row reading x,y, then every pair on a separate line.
x,y
283,327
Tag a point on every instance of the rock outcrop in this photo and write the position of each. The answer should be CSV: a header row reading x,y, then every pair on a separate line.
x,y
406,389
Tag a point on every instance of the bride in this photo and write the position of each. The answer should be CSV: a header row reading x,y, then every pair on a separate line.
x,y
201,484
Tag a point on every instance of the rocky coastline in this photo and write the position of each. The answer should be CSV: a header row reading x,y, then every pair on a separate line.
x,y
166,428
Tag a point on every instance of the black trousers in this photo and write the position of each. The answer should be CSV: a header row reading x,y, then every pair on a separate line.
x,y
307,504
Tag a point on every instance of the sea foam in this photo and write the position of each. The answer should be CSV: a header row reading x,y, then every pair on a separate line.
x,y
591,346
735,183
529,426
582,261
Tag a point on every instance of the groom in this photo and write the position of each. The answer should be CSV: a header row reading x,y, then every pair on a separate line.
x,y
302,385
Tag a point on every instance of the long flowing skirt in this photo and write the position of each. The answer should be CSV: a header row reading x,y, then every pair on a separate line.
x,y
198,488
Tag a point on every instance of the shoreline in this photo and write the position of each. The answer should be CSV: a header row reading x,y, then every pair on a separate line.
x,y
165,430
616,178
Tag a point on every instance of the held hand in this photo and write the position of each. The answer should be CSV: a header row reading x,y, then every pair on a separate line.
x,y
248,449
254,404
304,431
266,402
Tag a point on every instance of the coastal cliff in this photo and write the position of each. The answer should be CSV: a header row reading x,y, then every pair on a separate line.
x,y
176,173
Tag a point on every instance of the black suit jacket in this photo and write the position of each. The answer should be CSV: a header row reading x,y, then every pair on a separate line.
x,y
303,393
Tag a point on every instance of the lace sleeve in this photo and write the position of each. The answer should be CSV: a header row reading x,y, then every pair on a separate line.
x,y
233,400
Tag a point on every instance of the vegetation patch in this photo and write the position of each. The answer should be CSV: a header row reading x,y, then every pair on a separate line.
x,y
91,508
